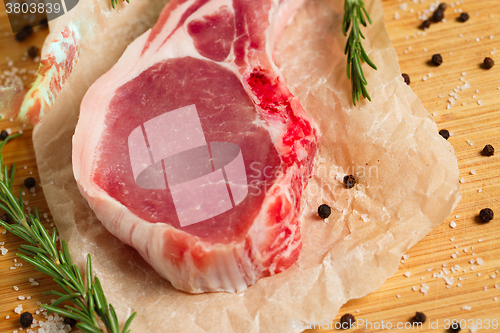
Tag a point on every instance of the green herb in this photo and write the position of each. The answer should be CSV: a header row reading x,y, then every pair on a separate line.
x,y
354,14
115,2
90,307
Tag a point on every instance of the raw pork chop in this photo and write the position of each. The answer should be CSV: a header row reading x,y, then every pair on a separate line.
x,y
192,150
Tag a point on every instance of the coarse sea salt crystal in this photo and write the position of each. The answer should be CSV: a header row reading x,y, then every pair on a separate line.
x,y
407,274
453,224
473,172
466,307
3,250
18,309
479,261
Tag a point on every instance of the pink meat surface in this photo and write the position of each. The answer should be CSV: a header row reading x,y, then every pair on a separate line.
x,y
192,150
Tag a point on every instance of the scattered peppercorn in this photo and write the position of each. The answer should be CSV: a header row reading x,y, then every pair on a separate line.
x,y
455,327
29,182
426,24
33,51
443,6
438,15
21,36
69,321
26,319
4,217
486,215
3,135
24,33
463,17
444,133
324,211
406,77
488,150
349,181
488,63
419,317
437,59
44,24
347,321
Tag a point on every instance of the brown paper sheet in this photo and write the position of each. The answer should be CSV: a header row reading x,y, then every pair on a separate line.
x,y
407,173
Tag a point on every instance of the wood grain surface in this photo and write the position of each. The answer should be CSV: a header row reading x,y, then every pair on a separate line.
x,y
473,120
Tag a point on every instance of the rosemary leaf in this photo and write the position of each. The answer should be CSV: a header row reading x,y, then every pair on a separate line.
x,y
113,320
87,328
65,298
128,322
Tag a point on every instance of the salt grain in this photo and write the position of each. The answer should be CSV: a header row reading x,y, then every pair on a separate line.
x,y
407,274
453,224
467,308
479,261
473,172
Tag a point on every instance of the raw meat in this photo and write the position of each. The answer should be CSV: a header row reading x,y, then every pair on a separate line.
x,y
192,150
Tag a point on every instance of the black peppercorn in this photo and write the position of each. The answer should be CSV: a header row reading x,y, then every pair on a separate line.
x,y
69,321
437,59
406,77
438,15
488,63
486,215
29,182
33,51
3,135
347,321
444,133
419,317
4,217
24,33
349,181
488,150
21,36
463,17
324,211
26,319
455,327
426,24
43,23
443,6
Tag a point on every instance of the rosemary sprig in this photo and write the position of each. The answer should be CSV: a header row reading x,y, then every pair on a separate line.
x,y
354,14
91,309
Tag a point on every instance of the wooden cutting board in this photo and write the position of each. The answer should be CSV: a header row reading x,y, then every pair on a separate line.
x,y
474,120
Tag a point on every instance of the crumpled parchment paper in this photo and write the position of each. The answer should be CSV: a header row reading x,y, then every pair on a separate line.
x,y
407,184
